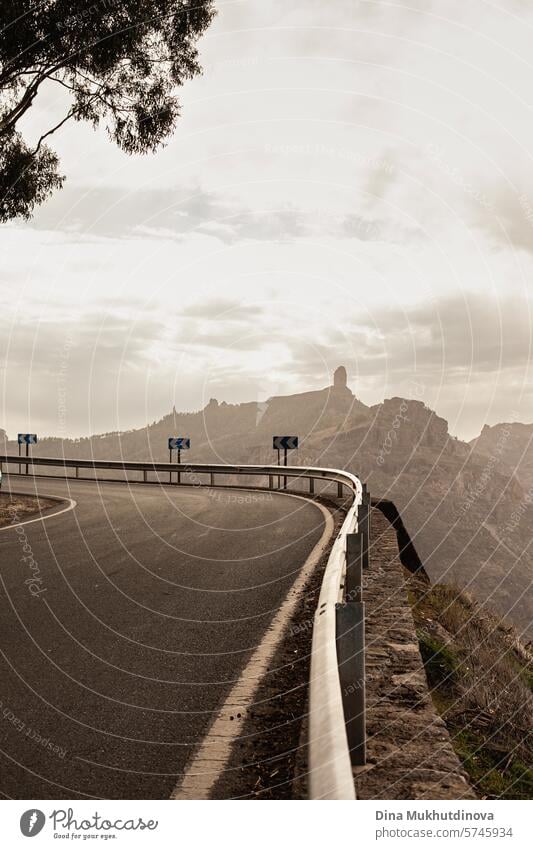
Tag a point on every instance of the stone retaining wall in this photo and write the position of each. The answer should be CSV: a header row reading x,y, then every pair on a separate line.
x,y
409,753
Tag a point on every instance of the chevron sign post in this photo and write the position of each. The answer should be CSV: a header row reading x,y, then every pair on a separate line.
x,y
284,443
287,443
26,439
179,444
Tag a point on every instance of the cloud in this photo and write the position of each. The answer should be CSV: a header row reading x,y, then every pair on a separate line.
x,y
71,377
471,354
379,180
164,213
116,212
509,221
470,333
222,308
226,340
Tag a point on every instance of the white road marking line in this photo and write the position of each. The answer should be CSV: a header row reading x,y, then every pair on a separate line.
x,y
209,762
71,505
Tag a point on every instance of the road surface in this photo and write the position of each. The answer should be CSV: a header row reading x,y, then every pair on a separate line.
x,y
124,623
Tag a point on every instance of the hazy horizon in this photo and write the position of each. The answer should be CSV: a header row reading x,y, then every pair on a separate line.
x,y
179,412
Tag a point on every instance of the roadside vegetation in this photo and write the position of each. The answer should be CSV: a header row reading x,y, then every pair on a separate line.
x,y
16,508
481,681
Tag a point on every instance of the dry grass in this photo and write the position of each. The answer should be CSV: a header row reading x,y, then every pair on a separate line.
x,y
481,680
16,508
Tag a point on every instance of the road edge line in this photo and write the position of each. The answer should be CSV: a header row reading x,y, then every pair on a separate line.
x,y
213,754
46,514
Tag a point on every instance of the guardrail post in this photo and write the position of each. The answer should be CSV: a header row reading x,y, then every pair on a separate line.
x,y
77,472
339,490
145,476
212,479
350,640
363,521
271,482
311,486
354,567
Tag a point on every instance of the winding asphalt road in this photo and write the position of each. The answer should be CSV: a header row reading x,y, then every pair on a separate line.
x,y
153,599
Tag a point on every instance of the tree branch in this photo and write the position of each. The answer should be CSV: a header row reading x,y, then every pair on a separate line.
x,y
26,101
67,117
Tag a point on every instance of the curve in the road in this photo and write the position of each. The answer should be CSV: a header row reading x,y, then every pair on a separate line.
x,y
114,672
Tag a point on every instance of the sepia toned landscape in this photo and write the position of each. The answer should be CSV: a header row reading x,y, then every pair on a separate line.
x,y
266,422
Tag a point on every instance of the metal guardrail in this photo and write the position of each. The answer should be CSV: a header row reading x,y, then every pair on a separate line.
x,y
337,685
173,469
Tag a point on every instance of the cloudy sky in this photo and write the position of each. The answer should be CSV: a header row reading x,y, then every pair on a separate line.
x,y
350,182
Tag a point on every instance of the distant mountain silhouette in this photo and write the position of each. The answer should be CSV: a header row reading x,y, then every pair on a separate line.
x,y
514,443
465,506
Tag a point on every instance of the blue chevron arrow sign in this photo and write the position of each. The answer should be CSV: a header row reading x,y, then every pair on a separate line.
x,y
284,442
178,443
27,439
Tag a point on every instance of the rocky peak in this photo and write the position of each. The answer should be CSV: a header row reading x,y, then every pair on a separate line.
x,y
411,422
